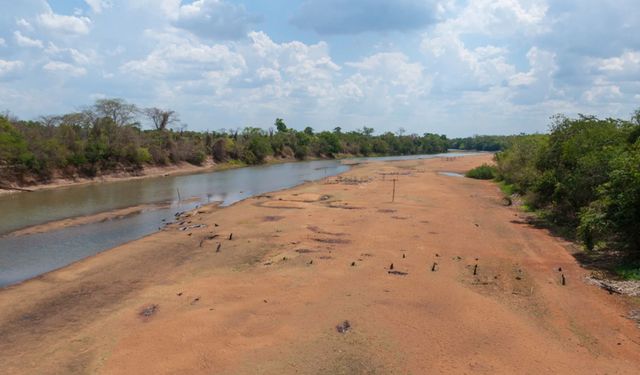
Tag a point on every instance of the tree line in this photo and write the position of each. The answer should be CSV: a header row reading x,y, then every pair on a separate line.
x,y
483,142
584,175
109,136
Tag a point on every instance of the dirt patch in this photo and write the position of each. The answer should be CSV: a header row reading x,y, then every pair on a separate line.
x,y
272,218
282,204
317,230
342,180
344,206
332,240
343,327
397,273
305,251
306,197
148,311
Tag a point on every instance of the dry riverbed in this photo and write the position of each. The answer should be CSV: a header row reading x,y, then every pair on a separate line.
x,y
330,277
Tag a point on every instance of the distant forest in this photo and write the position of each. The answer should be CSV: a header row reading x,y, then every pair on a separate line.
x,y
108,136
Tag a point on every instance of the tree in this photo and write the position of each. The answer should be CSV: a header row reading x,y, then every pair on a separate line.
x,y
367,131
260,148
118,110
280,125
161,118
219,150
308,130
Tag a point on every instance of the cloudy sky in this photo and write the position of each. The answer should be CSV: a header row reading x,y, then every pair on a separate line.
x,y
458,67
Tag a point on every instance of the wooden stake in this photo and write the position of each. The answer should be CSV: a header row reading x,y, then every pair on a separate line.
x,y
564,280
475,270
393,197
433,268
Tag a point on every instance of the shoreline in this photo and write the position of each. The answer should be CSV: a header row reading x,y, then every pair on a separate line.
x,y
291,265
180,169
183,168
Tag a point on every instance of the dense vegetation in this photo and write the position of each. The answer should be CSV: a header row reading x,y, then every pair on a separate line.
x,y
584,175
483,142
483,172
108,136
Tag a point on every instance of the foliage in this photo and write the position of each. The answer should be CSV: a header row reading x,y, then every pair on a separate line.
x,y
107,136
482,142
483,172
585,175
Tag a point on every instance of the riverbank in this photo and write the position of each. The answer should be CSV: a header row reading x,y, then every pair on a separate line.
x,y
261,286
182,168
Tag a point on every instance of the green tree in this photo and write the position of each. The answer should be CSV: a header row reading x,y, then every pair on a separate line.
x,y
280,125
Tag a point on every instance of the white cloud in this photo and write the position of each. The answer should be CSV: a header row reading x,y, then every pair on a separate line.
x,y
25,41
21,22
383,84
183,58
65,68
215,19
65,24
393,70
537,84
499,18
603,91
295,69
70,54
465,68
7,67
627,64
97,6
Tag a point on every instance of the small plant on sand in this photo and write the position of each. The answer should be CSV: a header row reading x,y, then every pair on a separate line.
x,y
483,172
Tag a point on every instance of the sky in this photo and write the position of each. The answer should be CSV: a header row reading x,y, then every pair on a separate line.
x,y
454,67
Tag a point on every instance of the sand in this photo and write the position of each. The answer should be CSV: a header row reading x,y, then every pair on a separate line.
x,y
302,262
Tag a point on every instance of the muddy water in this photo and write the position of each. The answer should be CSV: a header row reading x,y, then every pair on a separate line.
x,y
23,257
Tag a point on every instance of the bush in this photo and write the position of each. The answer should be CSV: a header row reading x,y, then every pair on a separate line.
x,y
483,172
585,178
197,157
260,148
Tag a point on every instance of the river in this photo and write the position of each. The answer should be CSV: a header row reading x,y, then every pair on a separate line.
x,y
27,256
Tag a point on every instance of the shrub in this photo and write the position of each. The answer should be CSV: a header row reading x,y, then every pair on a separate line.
x,y
483,172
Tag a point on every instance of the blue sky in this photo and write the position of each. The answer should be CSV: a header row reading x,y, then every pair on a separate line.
x,y
447,66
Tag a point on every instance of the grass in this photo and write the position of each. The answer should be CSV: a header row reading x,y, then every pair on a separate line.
x,y
507,189
483,172
629,271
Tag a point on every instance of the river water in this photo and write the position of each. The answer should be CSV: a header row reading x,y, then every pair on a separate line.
x,y
23,257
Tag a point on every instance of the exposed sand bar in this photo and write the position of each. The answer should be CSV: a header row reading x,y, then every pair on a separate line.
x,y
88,219
301,262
